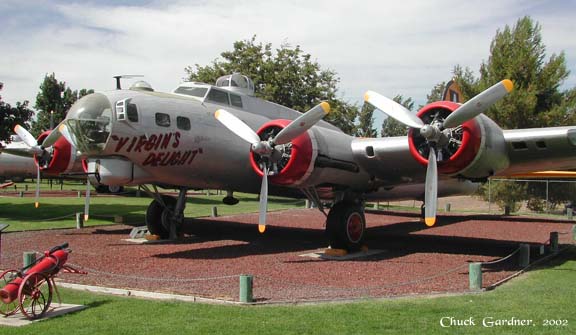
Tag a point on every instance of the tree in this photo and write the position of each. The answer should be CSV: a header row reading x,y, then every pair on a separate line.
x,y
508,195
11,116
391,127
54,96
365,126
519,54
287,76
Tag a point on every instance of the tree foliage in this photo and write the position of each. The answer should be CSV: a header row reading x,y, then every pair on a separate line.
x,y
54,96
365,126
518,53
391,127
286,75
11,116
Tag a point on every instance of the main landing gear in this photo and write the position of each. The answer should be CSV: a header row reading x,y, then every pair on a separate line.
x,y
165,214
346,226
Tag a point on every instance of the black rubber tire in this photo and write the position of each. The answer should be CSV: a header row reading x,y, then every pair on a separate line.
x,y
346,226
154,217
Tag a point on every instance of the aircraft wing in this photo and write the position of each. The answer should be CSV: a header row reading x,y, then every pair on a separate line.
x,y
392,161
540,149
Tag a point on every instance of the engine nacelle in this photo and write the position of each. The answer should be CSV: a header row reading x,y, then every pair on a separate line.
x,y
476,149
320,156
62,157
296,163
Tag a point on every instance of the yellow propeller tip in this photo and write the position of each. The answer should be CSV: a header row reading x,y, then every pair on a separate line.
x,y
325,107
430,221
36,204
508,84
366,96
217,114
261,228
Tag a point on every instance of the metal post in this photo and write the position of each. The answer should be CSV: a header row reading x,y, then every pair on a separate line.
x,y
475,276
574,232
547,183
524,259
554,242
214,212
79,220
21,194
489,194
28,258
79,194
447,207
246,288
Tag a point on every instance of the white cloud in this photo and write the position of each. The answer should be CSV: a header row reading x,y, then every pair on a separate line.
x,y
401,47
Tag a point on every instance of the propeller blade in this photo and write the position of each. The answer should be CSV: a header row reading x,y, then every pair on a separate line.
x,y
87,201
65,131
431,195
237,126
23,152
302,123
37,199
263,201
393,109
25,136
479,103
51,138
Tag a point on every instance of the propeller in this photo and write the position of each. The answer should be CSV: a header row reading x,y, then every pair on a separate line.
x,y
271,149
437,132
37,150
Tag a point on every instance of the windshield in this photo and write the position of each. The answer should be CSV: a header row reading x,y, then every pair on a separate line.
x,y
199,92
89,120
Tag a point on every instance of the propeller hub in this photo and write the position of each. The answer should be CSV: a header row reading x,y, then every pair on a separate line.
x,y
431,132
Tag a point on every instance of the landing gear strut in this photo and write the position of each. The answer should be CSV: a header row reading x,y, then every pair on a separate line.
x,y
165,215
346,226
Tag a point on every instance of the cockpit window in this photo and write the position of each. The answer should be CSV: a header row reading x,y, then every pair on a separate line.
x,y
199,92
236,100
218,96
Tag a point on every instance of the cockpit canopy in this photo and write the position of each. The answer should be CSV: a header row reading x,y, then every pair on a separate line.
x,y
237,83
89,120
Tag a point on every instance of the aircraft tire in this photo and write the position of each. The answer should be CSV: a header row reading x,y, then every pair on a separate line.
x,y
346,226
154,217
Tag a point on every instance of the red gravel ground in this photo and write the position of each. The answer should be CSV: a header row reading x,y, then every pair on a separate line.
x,y
416,259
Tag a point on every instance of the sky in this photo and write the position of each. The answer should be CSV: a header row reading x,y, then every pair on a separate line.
x,y
392,47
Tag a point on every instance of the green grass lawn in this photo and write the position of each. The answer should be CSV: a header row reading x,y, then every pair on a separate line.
x,y
542,294
60,212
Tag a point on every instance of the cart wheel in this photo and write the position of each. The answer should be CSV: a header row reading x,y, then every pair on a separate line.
x,y
35,295
5,278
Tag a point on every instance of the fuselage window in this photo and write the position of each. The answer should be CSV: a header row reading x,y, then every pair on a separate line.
x,y
183,123
163,120
132,112
218,96
235,100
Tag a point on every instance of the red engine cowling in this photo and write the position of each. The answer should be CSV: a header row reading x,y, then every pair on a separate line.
x,y
460,152
62,158
297,162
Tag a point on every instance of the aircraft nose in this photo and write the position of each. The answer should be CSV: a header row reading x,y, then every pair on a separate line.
x,y
89,120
